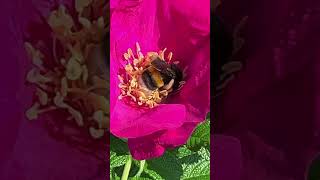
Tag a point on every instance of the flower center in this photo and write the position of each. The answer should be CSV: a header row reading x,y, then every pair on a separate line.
x,y
149,79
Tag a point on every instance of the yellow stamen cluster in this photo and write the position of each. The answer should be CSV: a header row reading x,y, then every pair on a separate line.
x,y
72,85
130,82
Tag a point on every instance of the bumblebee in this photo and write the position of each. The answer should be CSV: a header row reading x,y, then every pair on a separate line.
x,y
162,75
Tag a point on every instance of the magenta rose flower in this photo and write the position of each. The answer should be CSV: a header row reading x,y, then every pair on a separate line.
x,y
150,108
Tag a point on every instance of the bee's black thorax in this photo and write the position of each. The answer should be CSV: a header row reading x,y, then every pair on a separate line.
x,y
160,73
178,76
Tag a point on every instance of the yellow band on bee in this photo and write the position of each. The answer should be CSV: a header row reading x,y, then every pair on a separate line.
x,y
156,77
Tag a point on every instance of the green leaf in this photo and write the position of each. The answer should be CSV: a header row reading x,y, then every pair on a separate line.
x,y
204,177
208,116
154,175
183,152
118,146
117,161
139,178
119,154
167,166
196,166
200,137
189,162
314,169
114,177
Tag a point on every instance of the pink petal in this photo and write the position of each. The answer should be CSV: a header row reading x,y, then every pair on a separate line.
x,y
152,146
13,94
145,147
184,27
130,122
124,4
129,25
10,122
177,137
227,156
195,94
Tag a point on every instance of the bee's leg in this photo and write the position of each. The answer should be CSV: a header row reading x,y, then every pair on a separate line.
x,y
164,92
169,85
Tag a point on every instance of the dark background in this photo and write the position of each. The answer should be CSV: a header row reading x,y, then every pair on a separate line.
x,y
266,122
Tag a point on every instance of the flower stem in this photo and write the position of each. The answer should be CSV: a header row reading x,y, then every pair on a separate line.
x,y
142,163
126,170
